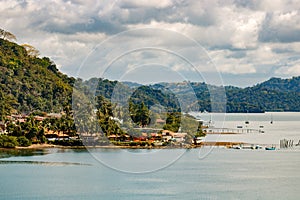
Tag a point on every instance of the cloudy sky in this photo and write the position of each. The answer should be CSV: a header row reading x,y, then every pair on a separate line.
x,y
240,42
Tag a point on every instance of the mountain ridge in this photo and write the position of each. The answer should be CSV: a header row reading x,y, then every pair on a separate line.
x,y
29,83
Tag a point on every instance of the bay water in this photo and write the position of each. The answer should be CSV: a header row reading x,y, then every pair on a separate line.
x,y
203,173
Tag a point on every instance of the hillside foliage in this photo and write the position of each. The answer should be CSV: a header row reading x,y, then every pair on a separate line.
x,y
29,83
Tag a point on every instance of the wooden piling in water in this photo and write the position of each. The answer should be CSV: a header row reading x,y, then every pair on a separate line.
x,y
286,143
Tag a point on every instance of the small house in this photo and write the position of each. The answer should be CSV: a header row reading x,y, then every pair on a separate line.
x,y
179,137
167,135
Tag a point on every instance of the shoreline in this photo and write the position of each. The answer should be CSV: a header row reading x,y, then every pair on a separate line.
x,y
203,144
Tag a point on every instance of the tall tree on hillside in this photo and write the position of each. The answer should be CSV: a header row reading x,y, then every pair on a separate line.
x,y
140,114
5,35
173,121
143,115
31,51
105,117
67,121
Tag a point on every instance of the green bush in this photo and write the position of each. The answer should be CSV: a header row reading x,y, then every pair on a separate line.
x,y
133,144
8,141
43,139
23,141
143,144
68,142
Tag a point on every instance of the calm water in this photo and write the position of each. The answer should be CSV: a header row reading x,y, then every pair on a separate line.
x,y
207,173
285,126
223,174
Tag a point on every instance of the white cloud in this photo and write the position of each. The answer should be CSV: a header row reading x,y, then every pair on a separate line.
x,y
281,27
263,55
289,70
225,63
277,5
147,3
246,31
242,37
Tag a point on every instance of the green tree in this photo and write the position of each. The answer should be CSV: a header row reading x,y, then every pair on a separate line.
x,y
173,121
32,133
41,135
199,132
23,141
140,114
105,117
8,141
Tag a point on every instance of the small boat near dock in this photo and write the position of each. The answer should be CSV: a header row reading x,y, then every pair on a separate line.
x,y
270,148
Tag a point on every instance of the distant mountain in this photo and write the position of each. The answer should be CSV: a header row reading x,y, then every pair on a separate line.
x,y
280,85
131,84
29,83
275,94
137,93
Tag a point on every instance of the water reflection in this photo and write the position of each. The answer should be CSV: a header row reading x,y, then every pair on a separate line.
x,y
5,162
6,153
72,150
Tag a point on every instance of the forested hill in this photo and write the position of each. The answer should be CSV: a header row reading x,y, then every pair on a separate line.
x,y
280,85
275,94
29,83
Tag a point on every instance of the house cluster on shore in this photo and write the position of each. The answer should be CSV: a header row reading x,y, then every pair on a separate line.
x,y
160,138
146,136
156,138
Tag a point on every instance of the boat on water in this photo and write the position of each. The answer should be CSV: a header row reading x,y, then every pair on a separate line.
x,y
247,120
271,119
270,148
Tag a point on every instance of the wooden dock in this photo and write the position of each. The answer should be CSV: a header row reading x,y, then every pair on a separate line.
x,y
230,130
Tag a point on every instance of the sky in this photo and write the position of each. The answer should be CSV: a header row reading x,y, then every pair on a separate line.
x,y
230,42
